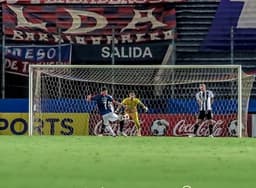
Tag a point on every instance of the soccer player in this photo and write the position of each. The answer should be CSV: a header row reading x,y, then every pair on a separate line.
x,y
106,109
131,104
204,99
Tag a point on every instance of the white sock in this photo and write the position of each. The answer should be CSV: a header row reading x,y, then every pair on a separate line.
x,y
109,128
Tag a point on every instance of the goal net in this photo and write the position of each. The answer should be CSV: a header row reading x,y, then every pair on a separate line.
x,y
58,105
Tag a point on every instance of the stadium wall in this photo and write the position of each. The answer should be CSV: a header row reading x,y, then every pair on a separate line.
x,y
76,121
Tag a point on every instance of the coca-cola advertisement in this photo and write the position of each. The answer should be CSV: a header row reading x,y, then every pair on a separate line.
x,y
173,125
95,123
183,125
130,129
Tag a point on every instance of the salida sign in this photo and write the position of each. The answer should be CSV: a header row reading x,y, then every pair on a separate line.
x,y
139,53
89,25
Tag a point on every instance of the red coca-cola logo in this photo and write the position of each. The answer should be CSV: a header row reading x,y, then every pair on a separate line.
x,y
182,128
129,128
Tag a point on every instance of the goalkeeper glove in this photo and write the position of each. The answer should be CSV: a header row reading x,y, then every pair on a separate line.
x,y
146,109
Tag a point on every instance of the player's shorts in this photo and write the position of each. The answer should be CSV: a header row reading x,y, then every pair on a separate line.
x,y
111,116
205,114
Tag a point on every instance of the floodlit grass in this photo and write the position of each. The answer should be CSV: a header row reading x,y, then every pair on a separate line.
x,y
132,162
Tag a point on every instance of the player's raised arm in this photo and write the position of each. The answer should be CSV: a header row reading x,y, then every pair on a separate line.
x,y
199,101
143,105
212,97
120,105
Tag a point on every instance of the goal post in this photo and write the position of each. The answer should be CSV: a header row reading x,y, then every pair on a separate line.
x,y
57,103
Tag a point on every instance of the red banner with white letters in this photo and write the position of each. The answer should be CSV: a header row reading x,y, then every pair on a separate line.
x,y
90,2
83,24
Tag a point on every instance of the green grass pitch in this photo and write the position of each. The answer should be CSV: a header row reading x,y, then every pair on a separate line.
x,y
132,162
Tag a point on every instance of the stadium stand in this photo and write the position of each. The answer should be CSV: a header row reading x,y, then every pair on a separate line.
x,y
194,20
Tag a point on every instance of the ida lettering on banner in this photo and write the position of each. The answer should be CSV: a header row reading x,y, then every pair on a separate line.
x,y
89,25
92,2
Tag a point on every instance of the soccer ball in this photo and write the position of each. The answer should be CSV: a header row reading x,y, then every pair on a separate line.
x,y
232,128
159,127
124,117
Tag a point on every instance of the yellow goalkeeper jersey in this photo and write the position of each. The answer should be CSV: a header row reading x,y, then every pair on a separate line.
x,y
131,104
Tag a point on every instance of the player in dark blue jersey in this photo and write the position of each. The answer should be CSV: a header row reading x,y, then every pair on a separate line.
x,y
106,109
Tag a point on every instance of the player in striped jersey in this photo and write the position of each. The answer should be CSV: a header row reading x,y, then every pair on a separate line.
x,y
205,100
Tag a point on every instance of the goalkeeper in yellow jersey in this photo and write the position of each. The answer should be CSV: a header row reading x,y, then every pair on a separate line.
x,y
131,103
